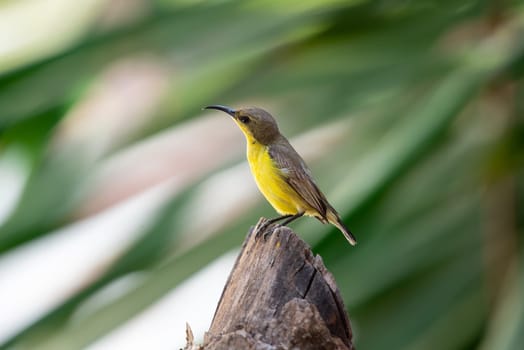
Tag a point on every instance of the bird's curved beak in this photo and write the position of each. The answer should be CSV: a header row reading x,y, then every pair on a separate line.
x,y
228,110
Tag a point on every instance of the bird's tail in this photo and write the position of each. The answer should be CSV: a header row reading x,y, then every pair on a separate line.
x,y
340,225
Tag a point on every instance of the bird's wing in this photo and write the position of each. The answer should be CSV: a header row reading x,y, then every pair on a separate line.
x,y
298,176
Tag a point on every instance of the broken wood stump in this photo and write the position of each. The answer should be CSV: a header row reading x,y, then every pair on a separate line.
x,y
279,296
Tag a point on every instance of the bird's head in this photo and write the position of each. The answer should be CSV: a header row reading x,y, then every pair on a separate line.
x,y
257,124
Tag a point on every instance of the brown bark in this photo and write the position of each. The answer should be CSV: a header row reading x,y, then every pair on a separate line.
x,y
279,296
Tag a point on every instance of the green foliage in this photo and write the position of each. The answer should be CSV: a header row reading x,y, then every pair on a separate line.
x,y
425,175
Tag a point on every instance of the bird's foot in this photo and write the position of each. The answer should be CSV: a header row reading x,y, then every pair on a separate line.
x,y
263,229
268,232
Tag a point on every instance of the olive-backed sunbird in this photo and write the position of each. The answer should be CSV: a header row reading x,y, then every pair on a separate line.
x,y
280,173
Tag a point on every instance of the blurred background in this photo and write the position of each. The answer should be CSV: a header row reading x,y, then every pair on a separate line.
x,y
123,205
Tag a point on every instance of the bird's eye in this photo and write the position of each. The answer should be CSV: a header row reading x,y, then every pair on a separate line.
x,y
244,119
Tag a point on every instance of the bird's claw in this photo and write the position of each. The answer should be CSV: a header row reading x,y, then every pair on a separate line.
x,y
268,233
264,230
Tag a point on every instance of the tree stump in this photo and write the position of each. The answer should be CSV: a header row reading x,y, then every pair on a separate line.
x,y
279,296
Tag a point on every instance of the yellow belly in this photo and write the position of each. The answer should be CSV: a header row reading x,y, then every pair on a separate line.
x,y
271,183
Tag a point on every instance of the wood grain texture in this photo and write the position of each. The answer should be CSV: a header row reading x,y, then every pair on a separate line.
x,y
279,296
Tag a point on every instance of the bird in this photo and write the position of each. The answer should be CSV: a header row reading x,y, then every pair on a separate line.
x,y
280,172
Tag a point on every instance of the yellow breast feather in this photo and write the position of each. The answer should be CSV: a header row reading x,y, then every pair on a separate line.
x,y
271,180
